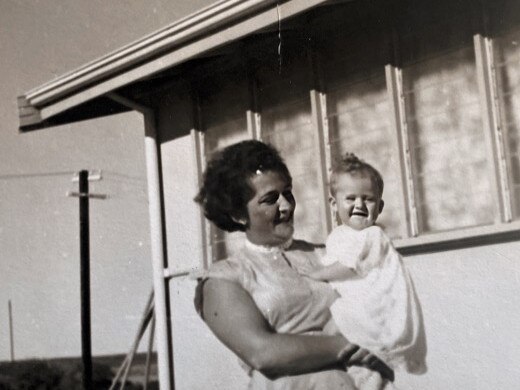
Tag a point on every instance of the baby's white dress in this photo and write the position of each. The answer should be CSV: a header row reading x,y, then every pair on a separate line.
x,y
379,309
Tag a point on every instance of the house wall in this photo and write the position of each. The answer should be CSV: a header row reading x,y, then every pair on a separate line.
x,y
471,311
199,358
468,295
469,298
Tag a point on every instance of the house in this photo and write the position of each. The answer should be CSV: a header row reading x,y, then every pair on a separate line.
x,y
426,91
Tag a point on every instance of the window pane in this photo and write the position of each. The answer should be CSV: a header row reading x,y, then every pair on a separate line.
x,y
223,115
358,109
507,56
287,124
450,170
360,122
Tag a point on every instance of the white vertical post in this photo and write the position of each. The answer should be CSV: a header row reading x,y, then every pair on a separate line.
x,y
327,154
395,90
254,125
11,330
254,119
151,148
494,132
165,364
197,139
318,120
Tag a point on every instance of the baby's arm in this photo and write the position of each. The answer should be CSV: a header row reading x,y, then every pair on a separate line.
x,y
332,273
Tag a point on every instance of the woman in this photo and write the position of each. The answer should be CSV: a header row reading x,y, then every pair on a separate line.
x,y
256,302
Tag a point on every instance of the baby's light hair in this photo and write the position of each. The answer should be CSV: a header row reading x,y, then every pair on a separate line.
x,y
352,165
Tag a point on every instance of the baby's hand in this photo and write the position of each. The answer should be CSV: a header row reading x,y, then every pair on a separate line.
x,y
353,355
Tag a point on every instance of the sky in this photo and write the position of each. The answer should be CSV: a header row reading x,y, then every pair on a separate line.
x,y
39,235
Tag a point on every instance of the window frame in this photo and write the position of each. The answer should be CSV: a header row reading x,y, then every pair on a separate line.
x,y
504,228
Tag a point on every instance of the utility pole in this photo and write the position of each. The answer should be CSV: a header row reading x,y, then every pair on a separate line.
x,y
11,333
84,240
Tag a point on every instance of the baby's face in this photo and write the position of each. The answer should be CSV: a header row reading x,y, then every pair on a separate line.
x,y
357,200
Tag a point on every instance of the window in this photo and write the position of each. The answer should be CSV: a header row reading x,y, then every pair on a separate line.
x,y
286,123
507,62
359,113
447,142
408,89
223,106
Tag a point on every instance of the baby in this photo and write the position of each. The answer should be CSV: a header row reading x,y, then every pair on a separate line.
x,y
377,308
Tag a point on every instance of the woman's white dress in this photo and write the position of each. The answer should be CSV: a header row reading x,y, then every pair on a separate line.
x,y
291,303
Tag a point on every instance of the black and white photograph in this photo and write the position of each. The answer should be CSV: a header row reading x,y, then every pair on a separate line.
x,y
259,194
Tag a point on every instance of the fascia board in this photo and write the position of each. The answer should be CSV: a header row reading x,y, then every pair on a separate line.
x,y
187,29
205,21
181,54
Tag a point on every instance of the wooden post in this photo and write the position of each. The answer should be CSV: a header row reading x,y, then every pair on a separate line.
x,y
11,336
84,237
84,244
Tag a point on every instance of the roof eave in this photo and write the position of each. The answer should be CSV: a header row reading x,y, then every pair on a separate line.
x,y
170,46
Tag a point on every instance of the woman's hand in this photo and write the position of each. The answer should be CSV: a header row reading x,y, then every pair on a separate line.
x,y
354,355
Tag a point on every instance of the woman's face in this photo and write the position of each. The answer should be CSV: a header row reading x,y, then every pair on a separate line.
x,y
271,209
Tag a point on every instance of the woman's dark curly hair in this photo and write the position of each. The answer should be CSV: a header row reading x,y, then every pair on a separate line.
x,y
226,190
351,164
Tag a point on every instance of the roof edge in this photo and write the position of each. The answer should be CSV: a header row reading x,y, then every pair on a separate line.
x,y
209,28
188,28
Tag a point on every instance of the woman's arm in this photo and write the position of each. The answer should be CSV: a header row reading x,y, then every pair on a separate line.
x,y
234,318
